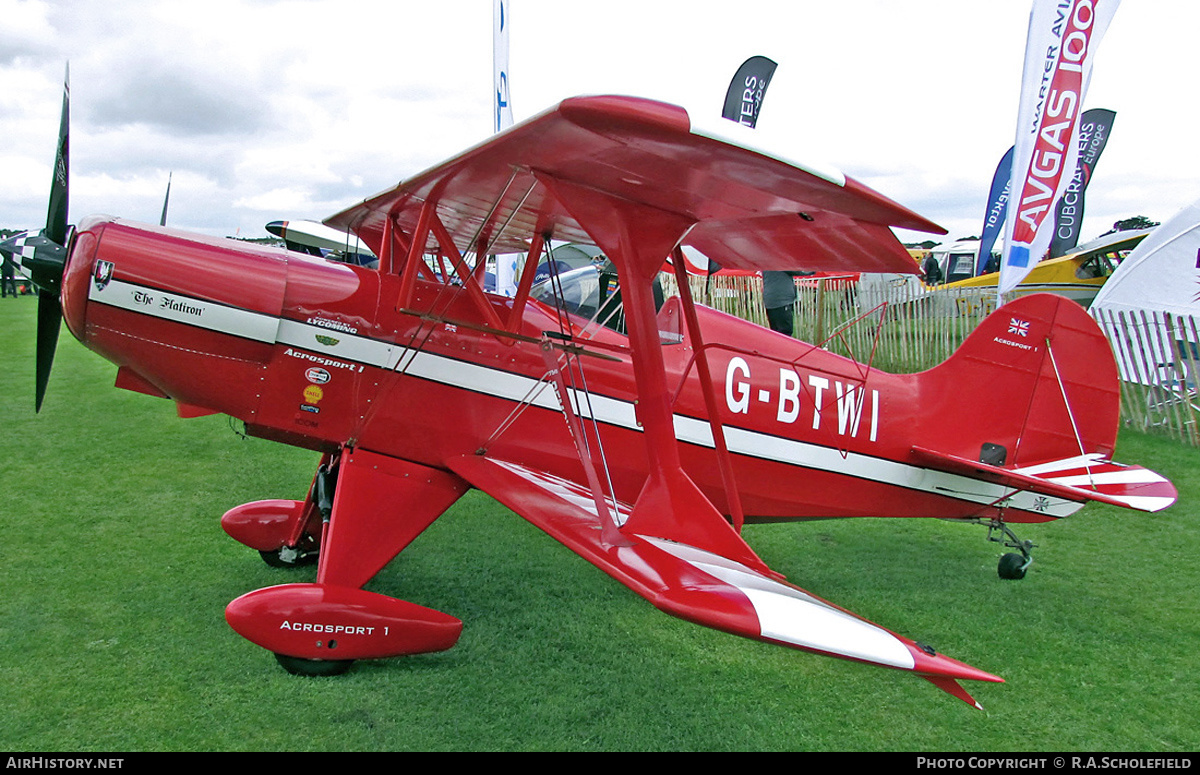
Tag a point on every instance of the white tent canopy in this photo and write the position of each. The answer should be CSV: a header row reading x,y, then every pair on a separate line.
x,y
1150,306
1161,273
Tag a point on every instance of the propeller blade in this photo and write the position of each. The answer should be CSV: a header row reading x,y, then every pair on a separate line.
x,y
49,257
163,221
49,321
56,216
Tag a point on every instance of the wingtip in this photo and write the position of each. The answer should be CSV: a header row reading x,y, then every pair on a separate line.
x,y
954,688
928,662
945,673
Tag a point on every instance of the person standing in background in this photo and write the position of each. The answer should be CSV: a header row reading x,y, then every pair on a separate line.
x,y
779,297
8,275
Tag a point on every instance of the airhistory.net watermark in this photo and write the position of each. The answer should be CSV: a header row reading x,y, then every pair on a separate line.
x,y
62,763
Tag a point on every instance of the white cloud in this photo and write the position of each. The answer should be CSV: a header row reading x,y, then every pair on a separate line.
x,y
263,107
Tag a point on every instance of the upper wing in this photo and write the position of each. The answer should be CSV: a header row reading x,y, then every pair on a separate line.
x,y
750,209
702,586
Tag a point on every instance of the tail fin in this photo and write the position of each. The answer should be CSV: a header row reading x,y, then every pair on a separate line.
x,y
1031,401
1036,381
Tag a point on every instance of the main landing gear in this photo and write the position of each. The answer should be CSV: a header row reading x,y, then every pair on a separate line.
x,y
320,628
304,549
290,556
287,534
313,667
1012,564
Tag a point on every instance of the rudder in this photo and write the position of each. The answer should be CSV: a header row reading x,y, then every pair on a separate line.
x,y
1036,381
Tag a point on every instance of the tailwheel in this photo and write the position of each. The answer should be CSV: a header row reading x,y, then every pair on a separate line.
x,y
1012,565
313,667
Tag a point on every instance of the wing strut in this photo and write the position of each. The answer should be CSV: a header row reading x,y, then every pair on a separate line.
x,y
532,258
710,400
609,529
638,238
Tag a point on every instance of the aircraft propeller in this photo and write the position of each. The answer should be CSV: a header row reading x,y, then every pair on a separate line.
x,y
44,256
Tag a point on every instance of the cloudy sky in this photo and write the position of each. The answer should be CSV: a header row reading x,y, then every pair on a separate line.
x,y
261,110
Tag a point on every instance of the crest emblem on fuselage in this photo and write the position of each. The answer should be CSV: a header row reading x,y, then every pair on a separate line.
x,y
102,274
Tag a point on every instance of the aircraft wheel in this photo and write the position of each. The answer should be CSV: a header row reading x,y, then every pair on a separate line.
x,y
313,667
288,557
1012,566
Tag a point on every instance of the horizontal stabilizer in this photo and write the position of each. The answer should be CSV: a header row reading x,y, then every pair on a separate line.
x,y
703,587
1079,479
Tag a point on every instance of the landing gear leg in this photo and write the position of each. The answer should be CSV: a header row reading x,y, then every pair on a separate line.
x,y
286,533
1012,564
305,548
321,628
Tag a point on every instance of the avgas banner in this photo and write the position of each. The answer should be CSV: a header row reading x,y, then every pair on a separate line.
x,y
1059,51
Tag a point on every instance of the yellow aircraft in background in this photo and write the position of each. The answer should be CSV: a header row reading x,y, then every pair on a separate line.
x,y
1078,275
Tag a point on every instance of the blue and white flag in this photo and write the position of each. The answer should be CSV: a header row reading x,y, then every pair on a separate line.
x,y
993,219
502,107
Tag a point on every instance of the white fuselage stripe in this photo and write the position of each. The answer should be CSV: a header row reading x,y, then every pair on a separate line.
x,y
365,351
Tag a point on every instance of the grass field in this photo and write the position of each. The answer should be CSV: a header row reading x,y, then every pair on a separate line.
x,y
114,576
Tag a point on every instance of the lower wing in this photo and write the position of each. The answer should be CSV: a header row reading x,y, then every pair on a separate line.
x,y
703,587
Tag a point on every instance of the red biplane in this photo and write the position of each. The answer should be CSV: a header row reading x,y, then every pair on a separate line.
x,y
644,446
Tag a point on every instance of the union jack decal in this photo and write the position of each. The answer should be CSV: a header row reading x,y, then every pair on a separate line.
x,y
1018,327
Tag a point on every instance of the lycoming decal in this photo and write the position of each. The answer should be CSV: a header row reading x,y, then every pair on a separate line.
x,y
335,325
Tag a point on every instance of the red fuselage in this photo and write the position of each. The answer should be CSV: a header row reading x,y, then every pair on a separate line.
x,y
316,354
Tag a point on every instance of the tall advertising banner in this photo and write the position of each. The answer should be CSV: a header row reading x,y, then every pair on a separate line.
x,y
1059,51
506,265
743,98
993,219
502,107
1094,130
